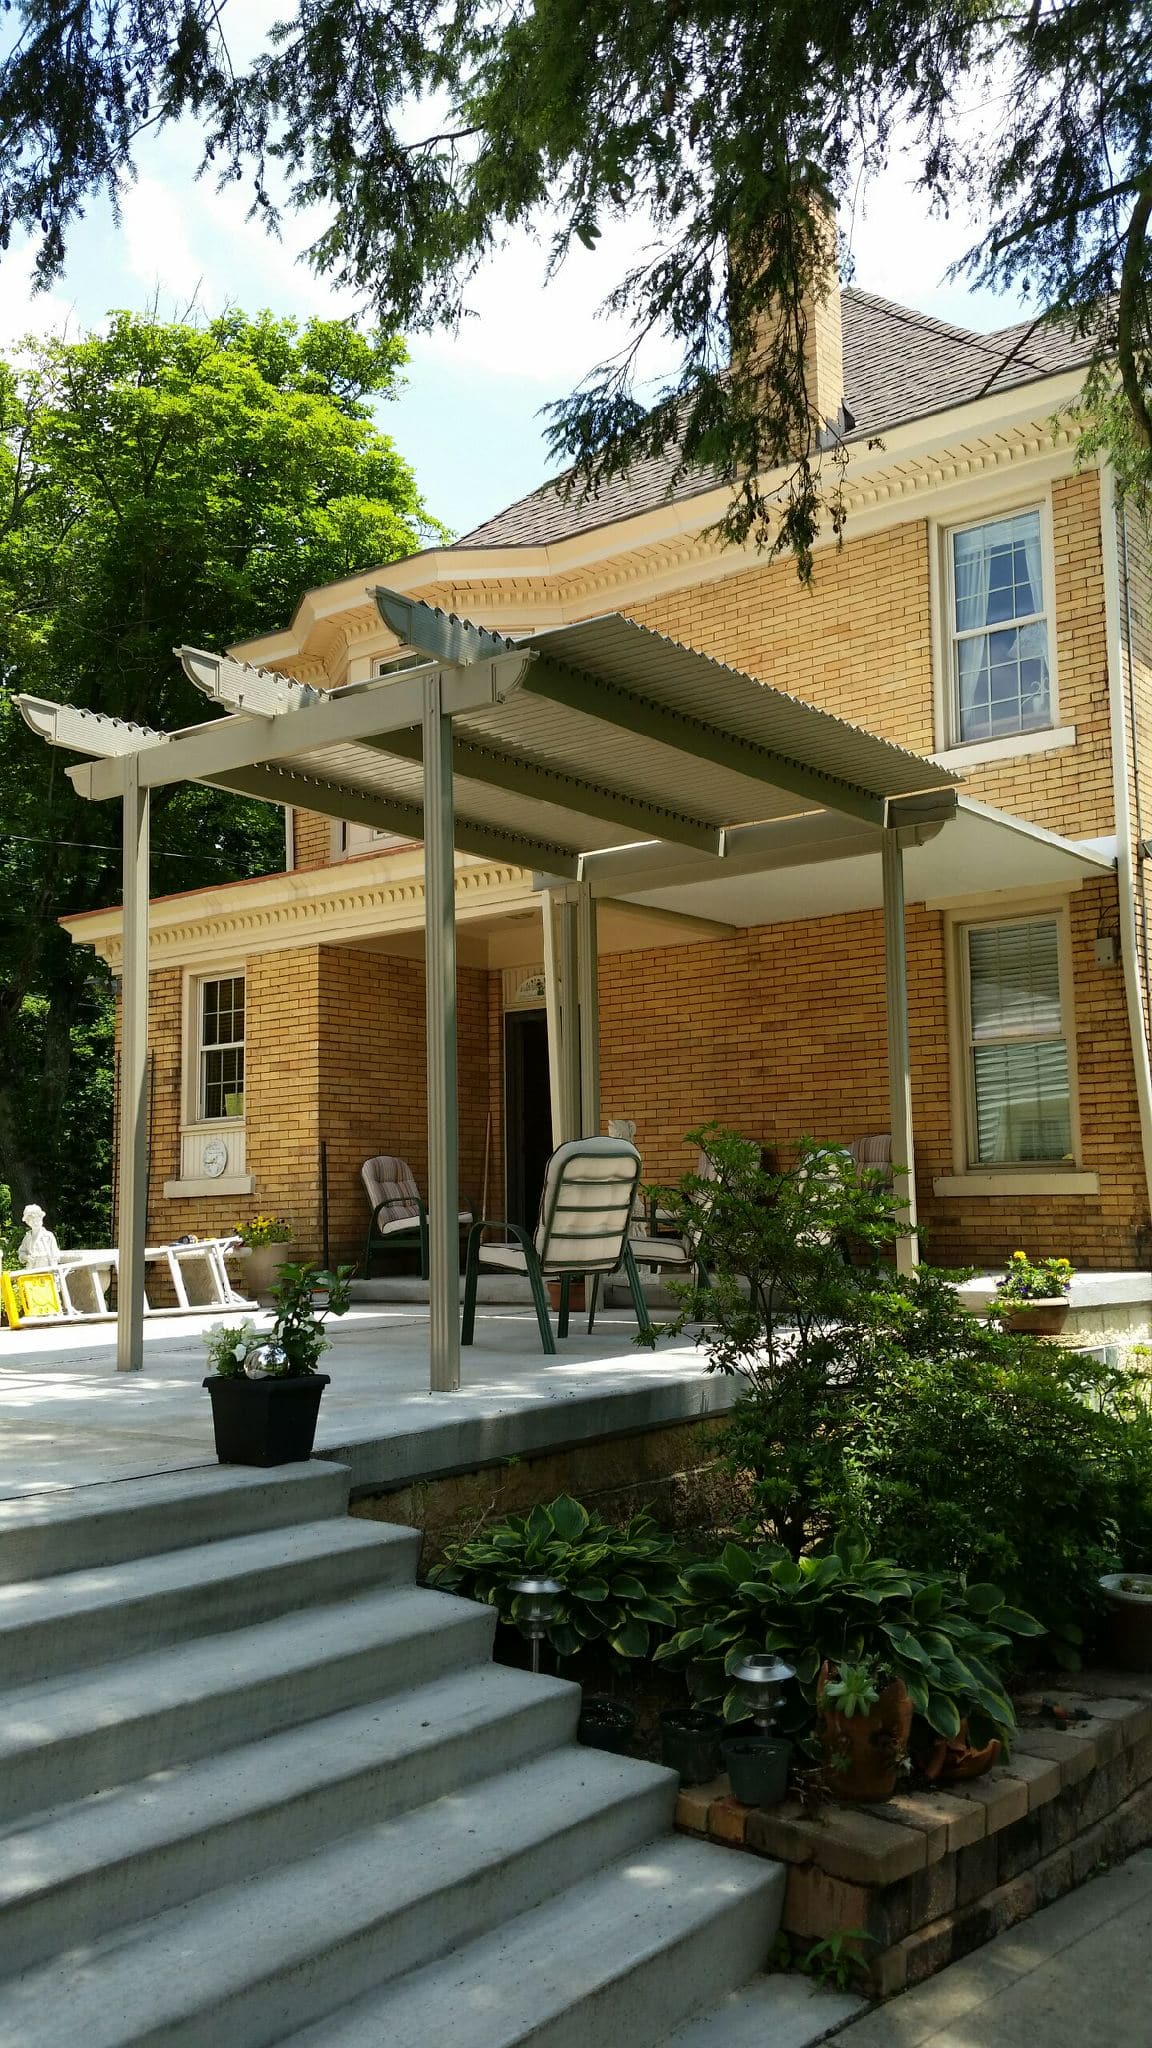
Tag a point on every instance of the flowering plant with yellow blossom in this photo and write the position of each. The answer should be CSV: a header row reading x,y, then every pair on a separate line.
x,y
264,1230
1039,1280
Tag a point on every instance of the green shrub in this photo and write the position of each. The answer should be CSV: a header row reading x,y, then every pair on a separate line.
x,y
958,1447
618,1584
948,1642
784,1305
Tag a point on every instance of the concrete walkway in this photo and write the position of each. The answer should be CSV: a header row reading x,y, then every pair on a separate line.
x,y
1077,1974
67,1418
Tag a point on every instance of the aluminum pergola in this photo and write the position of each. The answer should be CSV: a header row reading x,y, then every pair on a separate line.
x,y
600,745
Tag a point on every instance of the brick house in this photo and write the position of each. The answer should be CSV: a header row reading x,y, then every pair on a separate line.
x,y
987,609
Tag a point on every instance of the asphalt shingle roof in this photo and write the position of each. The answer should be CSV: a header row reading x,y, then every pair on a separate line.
x,y
899,365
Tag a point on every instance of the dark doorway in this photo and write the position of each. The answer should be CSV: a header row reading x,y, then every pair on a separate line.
x,y
527,1112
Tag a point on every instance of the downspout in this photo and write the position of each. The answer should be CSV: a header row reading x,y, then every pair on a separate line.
x,y
289,839
1114,617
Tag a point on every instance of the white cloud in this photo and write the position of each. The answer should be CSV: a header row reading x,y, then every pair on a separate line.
x,y
155,224
25,311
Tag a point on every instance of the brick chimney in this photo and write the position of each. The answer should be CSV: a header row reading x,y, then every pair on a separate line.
x,y
823,331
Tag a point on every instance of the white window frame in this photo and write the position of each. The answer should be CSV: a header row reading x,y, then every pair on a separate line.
x,y
1005,1176
349,839
1000,746
194,986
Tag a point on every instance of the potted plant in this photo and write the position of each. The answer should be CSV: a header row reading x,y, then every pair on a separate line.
x,y
827,1615
865,1718
265,1241
690,1739
1128,1597
265,1388
1032,1297
618,1587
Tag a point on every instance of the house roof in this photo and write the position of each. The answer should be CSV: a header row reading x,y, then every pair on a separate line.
x,y
899,365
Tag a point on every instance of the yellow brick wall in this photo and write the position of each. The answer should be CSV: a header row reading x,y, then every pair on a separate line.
x,y
311,840
373,1092
779,1031
858,641
335,1051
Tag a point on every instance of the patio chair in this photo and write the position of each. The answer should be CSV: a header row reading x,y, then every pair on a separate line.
x,y
673,1251
585,1212
399,1217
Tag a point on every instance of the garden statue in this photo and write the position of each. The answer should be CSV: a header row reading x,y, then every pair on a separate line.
x,y
38,1247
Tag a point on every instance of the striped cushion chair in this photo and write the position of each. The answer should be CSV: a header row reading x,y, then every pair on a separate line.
x,y
399,1217
585,1212
874,1151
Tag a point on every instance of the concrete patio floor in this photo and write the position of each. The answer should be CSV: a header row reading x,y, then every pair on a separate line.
x,y
67,1418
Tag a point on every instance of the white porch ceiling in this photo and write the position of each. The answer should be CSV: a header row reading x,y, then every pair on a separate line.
x,y
977,852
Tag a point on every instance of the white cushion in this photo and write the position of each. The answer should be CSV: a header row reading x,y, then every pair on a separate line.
x,y
660,1251
508,1257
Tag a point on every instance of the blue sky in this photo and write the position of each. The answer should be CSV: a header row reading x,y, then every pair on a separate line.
x,y
469,416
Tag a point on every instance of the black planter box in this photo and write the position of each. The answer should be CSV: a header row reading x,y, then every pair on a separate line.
x,y
265,1422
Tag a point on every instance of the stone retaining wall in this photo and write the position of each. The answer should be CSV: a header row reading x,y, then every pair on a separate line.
x,y
931,1875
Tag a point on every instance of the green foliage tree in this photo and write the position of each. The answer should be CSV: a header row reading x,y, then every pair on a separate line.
x,y
159,483
729,128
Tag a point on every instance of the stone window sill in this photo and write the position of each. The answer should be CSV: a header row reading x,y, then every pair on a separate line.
x,y
977,752
968,1185
225,1184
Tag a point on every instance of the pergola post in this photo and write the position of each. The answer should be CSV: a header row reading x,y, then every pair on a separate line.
x,y
560,995
440,1026
552,1014
588,996
133,1133
569,1020
899,1058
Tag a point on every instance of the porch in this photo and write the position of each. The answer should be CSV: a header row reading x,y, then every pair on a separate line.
x,y
71,1422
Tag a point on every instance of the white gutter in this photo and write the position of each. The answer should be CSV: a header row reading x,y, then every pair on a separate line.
x,y
1114,627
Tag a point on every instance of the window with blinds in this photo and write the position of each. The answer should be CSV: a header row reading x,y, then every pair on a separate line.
x,y
1020,1089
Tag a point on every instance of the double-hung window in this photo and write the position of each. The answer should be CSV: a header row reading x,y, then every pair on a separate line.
x,y
220,1048
999,628
1019,1088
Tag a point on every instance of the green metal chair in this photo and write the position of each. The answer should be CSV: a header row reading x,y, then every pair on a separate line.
x,y
399,1217
585,1212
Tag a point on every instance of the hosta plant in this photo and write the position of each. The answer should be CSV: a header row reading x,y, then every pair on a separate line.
x,y
947,1641
619,1585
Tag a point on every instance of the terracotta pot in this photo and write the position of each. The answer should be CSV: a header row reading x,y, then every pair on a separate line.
x,y
1037,1318
863,1752
576,1295
951,1762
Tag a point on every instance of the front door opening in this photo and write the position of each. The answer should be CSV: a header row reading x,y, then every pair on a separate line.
x,y
527,1112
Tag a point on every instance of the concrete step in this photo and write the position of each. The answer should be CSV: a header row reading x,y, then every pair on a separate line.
x,y
75,1875
120,1722
45,1533
770,2012
615,1961
250,1963
69,1622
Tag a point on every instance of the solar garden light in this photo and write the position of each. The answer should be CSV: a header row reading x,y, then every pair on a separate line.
x,y
537,1599
760,1681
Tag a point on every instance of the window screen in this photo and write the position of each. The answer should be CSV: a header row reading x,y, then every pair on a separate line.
x,y
222,1047
1000,629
